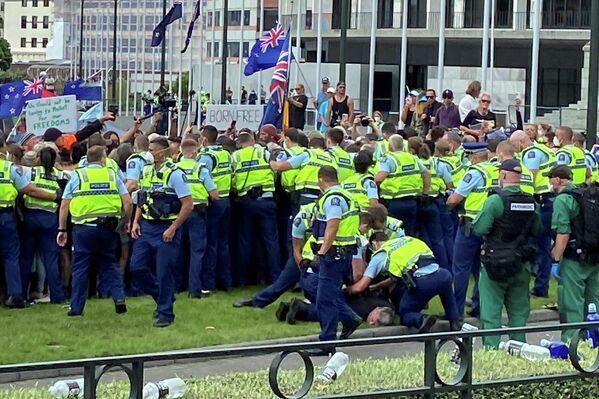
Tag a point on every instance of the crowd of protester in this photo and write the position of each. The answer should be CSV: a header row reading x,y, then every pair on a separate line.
x,y
248,205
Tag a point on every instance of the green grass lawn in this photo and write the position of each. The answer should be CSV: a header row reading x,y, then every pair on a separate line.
x,y
44,332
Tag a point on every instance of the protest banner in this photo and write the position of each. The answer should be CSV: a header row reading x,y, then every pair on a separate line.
x,y
221,116
58,112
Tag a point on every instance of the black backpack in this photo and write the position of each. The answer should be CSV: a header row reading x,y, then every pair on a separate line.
x,y
585,226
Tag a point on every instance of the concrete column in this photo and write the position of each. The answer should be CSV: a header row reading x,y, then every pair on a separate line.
x,y
458,16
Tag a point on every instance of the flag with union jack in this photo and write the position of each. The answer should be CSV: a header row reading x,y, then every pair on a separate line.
x,y
265,52
197,10
14,95
273,111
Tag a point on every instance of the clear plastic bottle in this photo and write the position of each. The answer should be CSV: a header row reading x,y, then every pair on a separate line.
x,y
455,354
67,388
334,367
166,389
592,336
557,349
527,351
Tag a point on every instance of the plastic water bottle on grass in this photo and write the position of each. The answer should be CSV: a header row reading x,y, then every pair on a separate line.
x,y
557,349
166,389
592,334
334,367
527,351
67,389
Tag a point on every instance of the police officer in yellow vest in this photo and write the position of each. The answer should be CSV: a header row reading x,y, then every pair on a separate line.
x,y
401,178
12,182
96,199
289,162
539,159
254,183
505,151
194,228
136,162
217,260
361,183
308,163
343,161
578,140
163,204
572,156
472,191
40,221
335,229
411,263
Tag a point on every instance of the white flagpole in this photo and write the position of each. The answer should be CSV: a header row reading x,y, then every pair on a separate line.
x,y
171,65
441,51
280,11
108,64
371,62
485,53
492,52
142,71
403,58
318,46
119,60
298,38
153,87
213,56
128,70
180,83
240,59
259,89
535,15
86,53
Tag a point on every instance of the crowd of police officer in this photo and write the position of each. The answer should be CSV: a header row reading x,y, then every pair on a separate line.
x,y
391,216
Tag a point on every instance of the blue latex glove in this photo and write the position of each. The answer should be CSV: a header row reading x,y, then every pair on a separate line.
x,y
555,271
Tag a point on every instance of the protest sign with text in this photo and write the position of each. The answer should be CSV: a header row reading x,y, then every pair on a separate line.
x,y
59,112
221,116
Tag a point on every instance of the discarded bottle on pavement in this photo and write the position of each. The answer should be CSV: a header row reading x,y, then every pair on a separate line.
x,y
455,354
166,389
334,367
527,351
557,349
67,388
592,336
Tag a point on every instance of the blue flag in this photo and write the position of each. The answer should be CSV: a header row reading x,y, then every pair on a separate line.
x,y
14,95
82,91
196,14
273,110
173,14
266,50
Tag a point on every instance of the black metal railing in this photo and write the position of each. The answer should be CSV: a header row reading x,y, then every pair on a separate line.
x,y
433,382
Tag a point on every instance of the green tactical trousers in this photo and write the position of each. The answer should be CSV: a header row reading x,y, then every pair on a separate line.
x,y
514,294
578,286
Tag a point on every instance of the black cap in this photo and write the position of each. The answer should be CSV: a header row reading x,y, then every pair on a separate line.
x,y
51,134
561,171
325,79
511,165
447,94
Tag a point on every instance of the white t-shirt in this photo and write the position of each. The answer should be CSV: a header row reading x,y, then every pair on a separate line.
x,y
467,104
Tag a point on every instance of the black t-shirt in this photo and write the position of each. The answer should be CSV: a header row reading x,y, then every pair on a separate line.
x,y
474,118
364,304
297,115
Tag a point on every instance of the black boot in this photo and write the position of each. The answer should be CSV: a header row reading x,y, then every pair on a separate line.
x,y
298,310
282,311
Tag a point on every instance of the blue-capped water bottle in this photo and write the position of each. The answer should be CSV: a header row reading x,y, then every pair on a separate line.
x,y
592,315
557,349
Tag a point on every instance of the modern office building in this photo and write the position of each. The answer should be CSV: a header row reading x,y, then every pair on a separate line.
x,y
27,26
564,32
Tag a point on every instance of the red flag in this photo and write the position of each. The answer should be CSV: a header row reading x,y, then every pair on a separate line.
x,y
48,93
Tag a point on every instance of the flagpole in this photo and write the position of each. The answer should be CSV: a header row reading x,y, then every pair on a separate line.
x,y
318,45
114,68
225,51
535,14
119,58
371,61
492,51
142,43
259,89
240,58
200,71
180,85
403,58
213,56
106,55
298,37
163,53
170,59
81,23
441,50
153,87
485,53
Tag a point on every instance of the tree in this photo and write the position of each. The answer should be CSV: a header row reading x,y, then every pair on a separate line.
x,y
184,86
5,55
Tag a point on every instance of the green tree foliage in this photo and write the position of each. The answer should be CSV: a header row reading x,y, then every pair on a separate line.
x,y
5,55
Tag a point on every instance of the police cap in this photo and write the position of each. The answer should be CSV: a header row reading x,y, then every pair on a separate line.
x,y
474,147
511,165
561,171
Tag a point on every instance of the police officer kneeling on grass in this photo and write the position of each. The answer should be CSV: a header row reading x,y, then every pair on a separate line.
x,y
163,205
508,218
94,197
410,263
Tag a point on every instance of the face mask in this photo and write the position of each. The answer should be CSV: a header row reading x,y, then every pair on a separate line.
x,y
377,118
540,133
149,157
285,144
556,142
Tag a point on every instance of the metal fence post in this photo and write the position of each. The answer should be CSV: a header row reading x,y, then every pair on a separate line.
x,y
430,366
467,393
89,382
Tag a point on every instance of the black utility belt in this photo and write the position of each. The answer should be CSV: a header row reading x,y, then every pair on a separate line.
x,y
200,208
158,221
103,222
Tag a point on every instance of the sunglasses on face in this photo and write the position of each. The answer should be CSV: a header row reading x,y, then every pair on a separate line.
x,y
430,97
485,101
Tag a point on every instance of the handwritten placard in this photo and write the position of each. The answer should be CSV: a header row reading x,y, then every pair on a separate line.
x,y
58,112
221,116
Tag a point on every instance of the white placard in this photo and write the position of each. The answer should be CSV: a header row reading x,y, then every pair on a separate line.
x,y
59,112
221,116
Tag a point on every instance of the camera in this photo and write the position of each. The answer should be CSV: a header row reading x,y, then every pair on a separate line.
x,y
165,98
364,121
